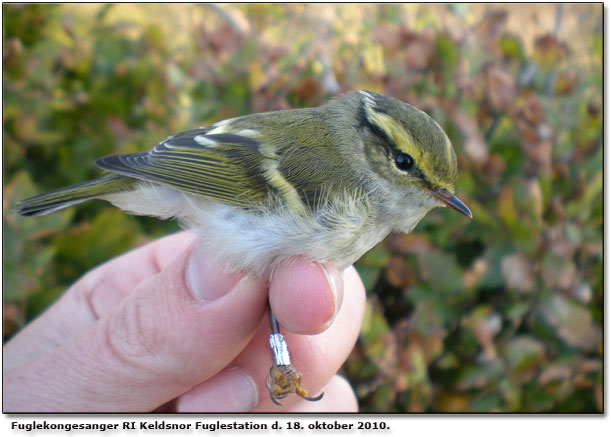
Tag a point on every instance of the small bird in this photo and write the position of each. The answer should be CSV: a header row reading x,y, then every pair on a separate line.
x,y
327,183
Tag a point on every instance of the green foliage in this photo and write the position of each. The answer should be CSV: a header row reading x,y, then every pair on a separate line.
x,y
500,313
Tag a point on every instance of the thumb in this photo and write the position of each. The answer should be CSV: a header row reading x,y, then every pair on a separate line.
x,y
176,329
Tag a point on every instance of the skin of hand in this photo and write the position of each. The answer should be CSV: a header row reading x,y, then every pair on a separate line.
x,y
164,328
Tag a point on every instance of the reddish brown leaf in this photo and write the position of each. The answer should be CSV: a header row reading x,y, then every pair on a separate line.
x,y
474,144
419,48
491,27
566,82
397,272
388,36
501,89
549,50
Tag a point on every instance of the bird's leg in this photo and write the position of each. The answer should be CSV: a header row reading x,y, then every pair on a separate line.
x,y
283,379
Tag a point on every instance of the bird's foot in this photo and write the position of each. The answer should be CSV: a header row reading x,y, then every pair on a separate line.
x,y
284,380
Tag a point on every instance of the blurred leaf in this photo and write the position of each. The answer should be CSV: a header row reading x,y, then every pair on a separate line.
x,y
549,51
525,354
474,144
441,272
581,206
501,89
573,323
558,272
566,82
517,273
109,234
511,47
476,377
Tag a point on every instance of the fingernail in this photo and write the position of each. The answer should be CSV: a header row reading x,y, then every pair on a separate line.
x,y
208,280
230,391
335,285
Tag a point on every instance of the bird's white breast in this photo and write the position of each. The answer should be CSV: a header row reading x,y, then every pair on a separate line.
x,y
257,241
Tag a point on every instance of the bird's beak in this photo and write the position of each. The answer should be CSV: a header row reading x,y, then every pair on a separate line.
x,y
452,201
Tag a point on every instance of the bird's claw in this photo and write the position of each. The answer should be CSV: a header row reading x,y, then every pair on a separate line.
x,y
284,380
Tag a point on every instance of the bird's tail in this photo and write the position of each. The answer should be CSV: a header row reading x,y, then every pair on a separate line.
x,y
68,196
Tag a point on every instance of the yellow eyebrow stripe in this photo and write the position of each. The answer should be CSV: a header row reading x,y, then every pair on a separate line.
x,y
426,143
402,139
405,142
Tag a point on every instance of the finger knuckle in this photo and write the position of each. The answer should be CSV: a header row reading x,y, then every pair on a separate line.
x,y
134,335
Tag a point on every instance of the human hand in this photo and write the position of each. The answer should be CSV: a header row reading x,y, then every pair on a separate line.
x,y
163,328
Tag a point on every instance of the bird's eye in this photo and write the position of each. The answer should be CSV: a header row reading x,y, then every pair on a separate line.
x,y
404,162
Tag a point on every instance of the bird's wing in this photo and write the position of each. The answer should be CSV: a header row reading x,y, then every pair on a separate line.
x,y
222,166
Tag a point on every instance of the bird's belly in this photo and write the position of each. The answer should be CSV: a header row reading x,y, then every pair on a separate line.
x,y
249,240
255,241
